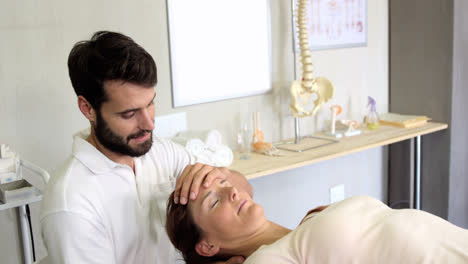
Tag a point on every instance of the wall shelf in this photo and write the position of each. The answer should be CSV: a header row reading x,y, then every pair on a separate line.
x,y
262,165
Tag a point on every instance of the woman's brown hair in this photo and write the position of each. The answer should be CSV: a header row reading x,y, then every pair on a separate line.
x,y
184,233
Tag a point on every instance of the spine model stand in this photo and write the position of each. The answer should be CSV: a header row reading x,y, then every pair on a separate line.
x,y
302,91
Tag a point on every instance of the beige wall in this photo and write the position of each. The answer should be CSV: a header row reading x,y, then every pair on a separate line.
x,y
38,110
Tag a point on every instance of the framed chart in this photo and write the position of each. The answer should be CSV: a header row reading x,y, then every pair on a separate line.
x,y
337,23
219,49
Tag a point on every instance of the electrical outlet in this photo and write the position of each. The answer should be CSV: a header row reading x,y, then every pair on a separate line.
x,y
337,193
169,125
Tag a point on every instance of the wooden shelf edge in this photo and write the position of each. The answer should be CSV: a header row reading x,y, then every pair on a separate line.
x,y
430,127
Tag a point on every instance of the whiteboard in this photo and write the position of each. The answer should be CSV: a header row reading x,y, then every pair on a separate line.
x,y
219,49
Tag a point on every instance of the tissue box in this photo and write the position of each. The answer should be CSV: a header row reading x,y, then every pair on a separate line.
x,y
17,190
8,165
9,170
8,177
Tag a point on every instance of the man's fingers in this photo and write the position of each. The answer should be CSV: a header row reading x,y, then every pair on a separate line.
x,y
182,176
213,175
185,188
198,178
179,183
187,182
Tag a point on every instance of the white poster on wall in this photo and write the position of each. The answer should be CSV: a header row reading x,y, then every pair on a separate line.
x,y
220,49
337,23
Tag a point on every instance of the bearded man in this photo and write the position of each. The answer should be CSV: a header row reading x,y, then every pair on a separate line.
x,y
106,203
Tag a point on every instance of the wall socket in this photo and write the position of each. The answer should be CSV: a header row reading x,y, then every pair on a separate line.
x,y
337,193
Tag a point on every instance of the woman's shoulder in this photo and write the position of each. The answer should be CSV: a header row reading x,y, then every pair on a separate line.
x,y
339,217
355,203
281,251
274,253
322,228
359,200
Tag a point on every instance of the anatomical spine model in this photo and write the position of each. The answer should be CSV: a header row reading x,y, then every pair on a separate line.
x,y
301,91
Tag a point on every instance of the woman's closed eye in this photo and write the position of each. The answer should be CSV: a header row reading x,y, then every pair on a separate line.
x,y
215,194
216,201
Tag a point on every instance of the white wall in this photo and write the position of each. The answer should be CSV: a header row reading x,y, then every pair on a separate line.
x,y
38,111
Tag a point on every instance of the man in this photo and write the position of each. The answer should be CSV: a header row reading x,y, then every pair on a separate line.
x,y
106,203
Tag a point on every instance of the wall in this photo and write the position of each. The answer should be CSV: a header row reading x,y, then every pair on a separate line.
x,y
427,76
420,77
39,114
458,199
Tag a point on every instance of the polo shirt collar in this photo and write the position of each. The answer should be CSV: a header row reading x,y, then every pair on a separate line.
x,y
87,154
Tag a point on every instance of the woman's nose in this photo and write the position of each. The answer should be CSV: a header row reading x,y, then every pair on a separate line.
x,y
233,194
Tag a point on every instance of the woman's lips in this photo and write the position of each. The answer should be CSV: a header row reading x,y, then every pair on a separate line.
x,y
241,204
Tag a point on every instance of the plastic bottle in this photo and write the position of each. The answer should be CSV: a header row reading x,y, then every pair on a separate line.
x,y
372,118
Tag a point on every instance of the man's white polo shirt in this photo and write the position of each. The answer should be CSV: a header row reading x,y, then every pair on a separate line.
x,y
97,211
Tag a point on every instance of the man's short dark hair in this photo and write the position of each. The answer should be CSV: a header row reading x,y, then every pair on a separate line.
x,y
108,56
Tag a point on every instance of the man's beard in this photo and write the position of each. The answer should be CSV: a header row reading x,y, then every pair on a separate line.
x,y
118,144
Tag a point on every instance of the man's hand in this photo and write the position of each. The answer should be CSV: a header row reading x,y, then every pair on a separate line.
x,y
193,176
233,260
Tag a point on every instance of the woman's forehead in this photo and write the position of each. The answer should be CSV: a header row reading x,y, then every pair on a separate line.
x,y
206,191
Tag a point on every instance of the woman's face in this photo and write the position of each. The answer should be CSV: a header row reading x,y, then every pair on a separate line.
x,y
225,214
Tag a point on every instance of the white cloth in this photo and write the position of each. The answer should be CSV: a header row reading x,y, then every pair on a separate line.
x,y
211,151
364,230
97,211
210,137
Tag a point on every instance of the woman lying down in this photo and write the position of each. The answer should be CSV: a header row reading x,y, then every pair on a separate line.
x,y
223,222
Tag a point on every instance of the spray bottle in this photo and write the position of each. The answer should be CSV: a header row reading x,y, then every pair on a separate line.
x,y
372,118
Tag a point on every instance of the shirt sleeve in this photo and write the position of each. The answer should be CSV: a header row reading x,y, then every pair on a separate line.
x,y
71,238
182,158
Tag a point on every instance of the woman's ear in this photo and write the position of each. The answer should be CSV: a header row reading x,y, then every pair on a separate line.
x,y
206,249
86,109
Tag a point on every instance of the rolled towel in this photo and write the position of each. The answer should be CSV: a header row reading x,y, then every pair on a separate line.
x,y
222,155
210,137
211,152
214,137
195,146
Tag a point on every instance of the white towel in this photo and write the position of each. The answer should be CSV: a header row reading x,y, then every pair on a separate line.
x,y
213,138
211,151
195,146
